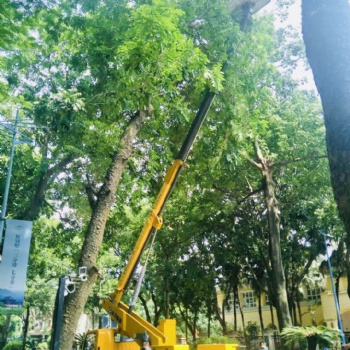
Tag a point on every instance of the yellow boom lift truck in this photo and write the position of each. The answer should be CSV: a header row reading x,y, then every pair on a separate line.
x,y
136,331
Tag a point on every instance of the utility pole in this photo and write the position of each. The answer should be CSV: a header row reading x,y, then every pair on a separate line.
x,y
8,179
13,129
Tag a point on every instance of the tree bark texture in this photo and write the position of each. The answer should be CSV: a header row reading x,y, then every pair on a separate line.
x,y
278,283
278,278
25,327
75,302
326,33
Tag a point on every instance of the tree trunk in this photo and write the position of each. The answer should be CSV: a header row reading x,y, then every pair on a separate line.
x,y
186,325
75,302
242,317
209,323
236,299
299,313
272,315
326,33
195,332
294,311
190,324
158,309
145,308
220,316
167,299
260,313
278,281
25,327
223,319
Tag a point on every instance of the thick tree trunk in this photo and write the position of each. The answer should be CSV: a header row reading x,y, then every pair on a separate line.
x,y
326,32
278,282
278,279
75,302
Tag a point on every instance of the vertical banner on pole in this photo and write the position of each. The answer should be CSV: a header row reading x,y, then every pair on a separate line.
x,y
13,267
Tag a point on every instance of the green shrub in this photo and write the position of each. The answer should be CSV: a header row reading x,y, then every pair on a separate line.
x,y
219,339
13,345
320,335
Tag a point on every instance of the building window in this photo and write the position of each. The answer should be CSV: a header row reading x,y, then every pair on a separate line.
x,y
314,294
249,300
231,302
267,300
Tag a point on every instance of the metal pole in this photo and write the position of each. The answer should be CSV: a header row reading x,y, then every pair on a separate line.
x,y
8,179
340,324
58,315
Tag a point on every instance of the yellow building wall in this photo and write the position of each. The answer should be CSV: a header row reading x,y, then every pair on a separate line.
x,y
329,309
313,313
250,314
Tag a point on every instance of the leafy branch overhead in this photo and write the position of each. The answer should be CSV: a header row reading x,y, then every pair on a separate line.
x,y
113,86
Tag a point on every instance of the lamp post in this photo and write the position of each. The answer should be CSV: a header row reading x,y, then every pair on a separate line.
x,y
336,302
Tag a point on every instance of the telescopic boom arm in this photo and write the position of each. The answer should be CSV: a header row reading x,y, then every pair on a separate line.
x,y
154,221
129,322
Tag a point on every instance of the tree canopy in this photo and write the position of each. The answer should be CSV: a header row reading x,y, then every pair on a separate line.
x,y
112,87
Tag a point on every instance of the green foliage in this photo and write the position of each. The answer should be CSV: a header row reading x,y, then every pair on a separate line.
x,y
252,330
96,63
36,344
220,339
11,311
80,339
324,336
14,345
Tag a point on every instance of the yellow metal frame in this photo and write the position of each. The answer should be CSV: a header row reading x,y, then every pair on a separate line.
x,y
153,221
129,322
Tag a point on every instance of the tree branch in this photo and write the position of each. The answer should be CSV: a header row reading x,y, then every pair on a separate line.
x,y
60,166
252,162
295,160
250,195
90,191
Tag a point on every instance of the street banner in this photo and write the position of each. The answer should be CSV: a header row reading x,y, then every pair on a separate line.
x,y
13,267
